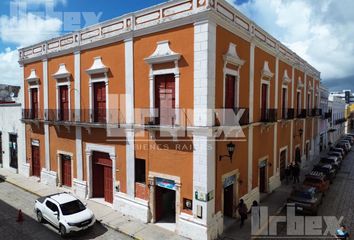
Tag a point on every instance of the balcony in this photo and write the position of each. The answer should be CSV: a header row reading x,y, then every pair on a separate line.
x,y
302,114
316,112
327,115
288,114
269,115
30,115
340,121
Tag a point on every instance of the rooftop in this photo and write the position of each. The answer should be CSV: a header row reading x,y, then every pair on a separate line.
x,y
62,198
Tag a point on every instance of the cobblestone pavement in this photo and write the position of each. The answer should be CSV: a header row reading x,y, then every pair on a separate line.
x,y
338,201
13,198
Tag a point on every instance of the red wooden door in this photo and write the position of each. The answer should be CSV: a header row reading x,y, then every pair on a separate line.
x,y
100,102
298,103
64,103
264,100
66,170
108,184
36,163
230,91
165,98
34,100
282,163
228,200
102,176
262,179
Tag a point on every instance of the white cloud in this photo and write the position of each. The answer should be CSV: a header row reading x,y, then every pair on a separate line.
x,y
319,31
22,31
28,29
9,68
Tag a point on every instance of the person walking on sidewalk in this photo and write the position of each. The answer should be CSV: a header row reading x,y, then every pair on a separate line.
x,y
296,173
287,174
242,210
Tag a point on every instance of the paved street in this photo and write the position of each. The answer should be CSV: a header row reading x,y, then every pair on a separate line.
x,y
13,198
339,200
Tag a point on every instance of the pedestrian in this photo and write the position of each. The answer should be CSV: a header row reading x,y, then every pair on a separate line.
x,y
287,174
242,210
342,233
296,173
254,205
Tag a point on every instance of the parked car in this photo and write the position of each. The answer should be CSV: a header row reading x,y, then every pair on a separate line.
x,y
306,199
317,180
340,150
336,164
343,146
350,139
336,154
347,144
327,170
65,212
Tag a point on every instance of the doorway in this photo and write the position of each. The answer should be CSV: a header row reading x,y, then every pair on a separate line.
x,y
13,150
165,205
36,163
263,179
102,177
228,200
282,164
66,170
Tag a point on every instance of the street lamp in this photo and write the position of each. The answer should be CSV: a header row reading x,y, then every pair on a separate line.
x,y
230,148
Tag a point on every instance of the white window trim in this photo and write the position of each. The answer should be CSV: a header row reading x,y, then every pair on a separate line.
x,y
58,85
37,86
90,148
59,162
263,81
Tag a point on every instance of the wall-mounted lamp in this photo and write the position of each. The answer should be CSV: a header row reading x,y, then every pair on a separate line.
x,y
270,164
301,131
230,148
240,181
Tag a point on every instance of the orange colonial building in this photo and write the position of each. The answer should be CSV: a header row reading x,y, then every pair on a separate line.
x,y
124,112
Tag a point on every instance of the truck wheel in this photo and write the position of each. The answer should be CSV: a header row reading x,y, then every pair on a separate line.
x,y
39,216
62,230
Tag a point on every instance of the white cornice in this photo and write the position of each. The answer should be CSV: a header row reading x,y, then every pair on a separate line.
x,y
97,67
300,84
266,73
162,54
33,78
232,57
62,72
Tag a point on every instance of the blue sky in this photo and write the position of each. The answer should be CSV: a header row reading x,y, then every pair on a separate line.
x,y
321,31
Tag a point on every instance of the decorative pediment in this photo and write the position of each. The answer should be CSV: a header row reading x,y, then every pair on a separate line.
x,y
33,78
232,57
286,79
310,86
162,54
97,67
266,73
300,84
62,72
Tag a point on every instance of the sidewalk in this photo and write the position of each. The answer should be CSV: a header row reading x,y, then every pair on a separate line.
x,y
275,202
104,214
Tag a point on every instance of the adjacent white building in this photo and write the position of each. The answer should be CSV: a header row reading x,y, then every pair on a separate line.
x,y
337,107
323,125
12,135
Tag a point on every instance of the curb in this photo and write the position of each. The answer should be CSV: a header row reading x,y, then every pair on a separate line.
x,y
38,195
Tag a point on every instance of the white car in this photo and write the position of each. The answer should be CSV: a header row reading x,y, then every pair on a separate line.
x,y
65,212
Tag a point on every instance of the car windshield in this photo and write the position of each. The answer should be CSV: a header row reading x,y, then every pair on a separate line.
x,y
303,194
321,169
326,160
72,207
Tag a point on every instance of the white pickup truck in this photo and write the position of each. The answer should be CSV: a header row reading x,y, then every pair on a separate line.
x,y
65,212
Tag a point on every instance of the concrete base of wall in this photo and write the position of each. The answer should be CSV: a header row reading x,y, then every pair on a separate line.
x,y
136,208
49,177
25,169
274,182
188,227
80,188
251,196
